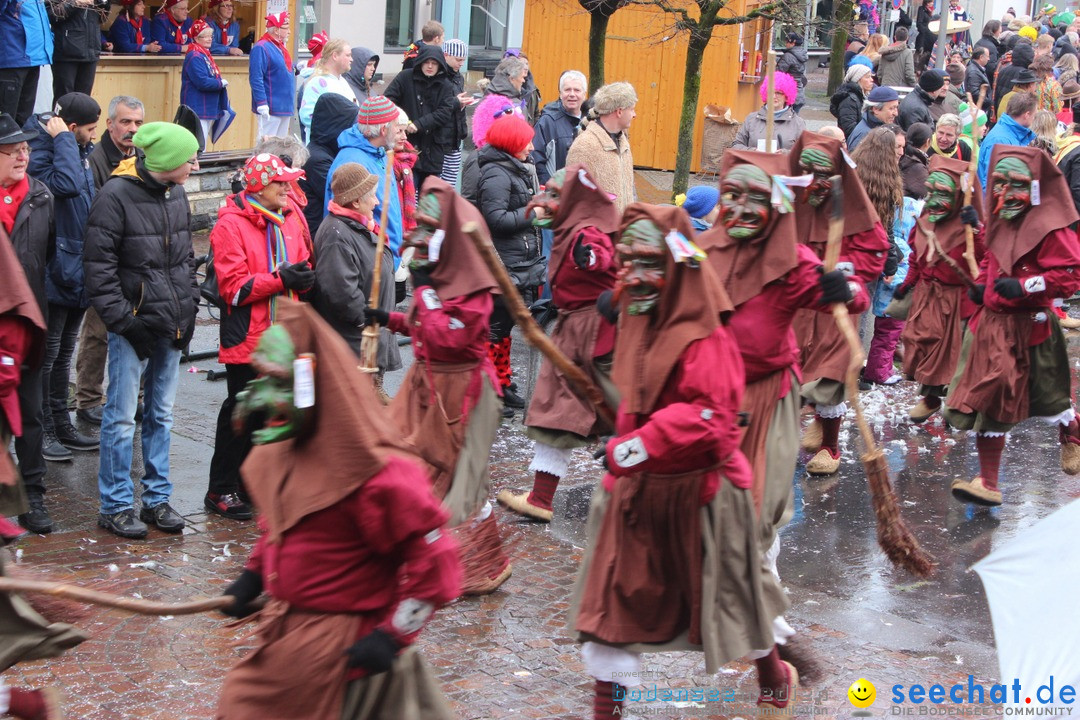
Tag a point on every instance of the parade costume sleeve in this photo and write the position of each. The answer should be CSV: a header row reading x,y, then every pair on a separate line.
x,y
803,286
447,327
866,252
398,323
16,337
697,429
1047,272
601,251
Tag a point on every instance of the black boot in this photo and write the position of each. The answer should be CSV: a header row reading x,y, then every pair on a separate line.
x,y
37,519
71,438
52,450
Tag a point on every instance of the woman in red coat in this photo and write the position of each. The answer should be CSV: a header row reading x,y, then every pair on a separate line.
x,y
260,255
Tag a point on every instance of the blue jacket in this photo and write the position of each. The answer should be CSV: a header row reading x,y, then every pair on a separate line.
x,y
554,134
162,30
122,35
1006,132
222,48
26,38
905,221
64,168
354,147
272,80
200,89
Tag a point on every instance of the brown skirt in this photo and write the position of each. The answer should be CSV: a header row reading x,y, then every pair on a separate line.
x,y
556,405
823,351
934,333
771,444
616,594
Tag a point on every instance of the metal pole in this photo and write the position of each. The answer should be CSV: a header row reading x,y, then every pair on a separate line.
x,y
943,35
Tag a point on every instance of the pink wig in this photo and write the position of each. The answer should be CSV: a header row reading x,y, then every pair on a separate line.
x,y
785,84
490,108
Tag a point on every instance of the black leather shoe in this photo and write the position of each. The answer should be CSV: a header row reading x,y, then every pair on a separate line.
x,y
91,415
37,519
53,451
507,412
162,515
72,439
229,505
512,399
124,524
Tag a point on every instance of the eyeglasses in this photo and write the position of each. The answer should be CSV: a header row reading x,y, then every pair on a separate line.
x,y
21,152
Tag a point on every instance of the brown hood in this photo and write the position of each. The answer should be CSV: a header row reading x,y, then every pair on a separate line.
x,y
949,232
460,270
813,223
691,303
348,444
1011,240
746,267
582,204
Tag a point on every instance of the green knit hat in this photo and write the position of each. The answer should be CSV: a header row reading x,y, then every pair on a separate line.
x,y
167,146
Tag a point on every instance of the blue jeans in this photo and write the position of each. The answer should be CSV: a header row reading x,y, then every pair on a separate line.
x,y
547,237
162,372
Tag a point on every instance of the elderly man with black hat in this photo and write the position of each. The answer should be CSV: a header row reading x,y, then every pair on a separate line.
x,y
882,105
916,106
1023,82
147,296
26,208
59,159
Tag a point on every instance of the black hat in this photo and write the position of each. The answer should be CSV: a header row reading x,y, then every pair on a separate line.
x,y
932,80
794,37
78,108
1025,77
11,133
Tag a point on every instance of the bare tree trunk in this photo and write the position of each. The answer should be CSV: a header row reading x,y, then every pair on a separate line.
x,y
598,23
695,51
841,19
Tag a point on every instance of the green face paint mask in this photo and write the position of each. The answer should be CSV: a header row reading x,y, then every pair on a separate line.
x,y
1011,183
746,202
643,257
270,399
549,199
428,222
941,200
821,166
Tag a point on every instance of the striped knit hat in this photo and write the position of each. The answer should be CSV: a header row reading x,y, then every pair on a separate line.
x,y
455,49
377,110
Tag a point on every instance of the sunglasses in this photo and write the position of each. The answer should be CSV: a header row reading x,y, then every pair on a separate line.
x,y
508,110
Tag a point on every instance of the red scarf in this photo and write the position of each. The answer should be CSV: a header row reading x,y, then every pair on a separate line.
x,y
10,200
345,212
195,47
224,31
403,172
178,29
137,24
284,52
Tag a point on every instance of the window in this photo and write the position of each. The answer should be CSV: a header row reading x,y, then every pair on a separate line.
x,y
400,16
306,23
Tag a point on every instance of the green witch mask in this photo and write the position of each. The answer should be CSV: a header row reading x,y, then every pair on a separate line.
x,y
271,399
428,222
746,202
942,198
1011,183
643,257
549,199
821,166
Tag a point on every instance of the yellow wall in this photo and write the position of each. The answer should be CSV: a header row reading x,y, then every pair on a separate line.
x,y
556,38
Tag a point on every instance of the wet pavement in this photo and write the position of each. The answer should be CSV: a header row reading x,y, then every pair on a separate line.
x,y
508,655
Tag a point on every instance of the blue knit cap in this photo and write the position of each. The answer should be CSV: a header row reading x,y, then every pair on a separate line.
x,y
701,200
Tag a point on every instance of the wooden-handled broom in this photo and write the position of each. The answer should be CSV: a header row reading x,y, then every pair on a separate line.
x,y
94,597
894,536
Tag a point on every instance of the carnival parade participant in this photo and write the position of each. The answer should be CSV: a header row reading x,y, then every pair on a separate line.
x,y
336,639
1013,364
940,306
824,352
581,270
673,560
448,407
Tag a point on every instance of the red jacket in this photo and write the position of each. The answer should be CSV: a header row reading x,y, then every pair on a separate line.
x,y
16,342
247,277
380,553
573,288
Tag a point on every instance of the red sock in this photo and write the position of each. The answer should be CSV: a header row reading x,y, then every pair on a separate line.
x,y
773,678
989,448
543,490
830,434
26,704
604,704
1070,433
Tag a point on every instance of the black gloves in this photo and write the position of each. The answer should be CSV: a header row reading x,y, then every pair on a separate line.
x,y
601,454
582,255
834,287
976,293
244,589
141,339
606,307
374,652
901,292
892,261
375,316
420,277
297,276
968,216
1009,288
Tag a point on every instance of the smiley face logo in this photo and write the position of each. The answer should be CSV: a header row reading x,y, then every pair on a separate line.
x,y
862,693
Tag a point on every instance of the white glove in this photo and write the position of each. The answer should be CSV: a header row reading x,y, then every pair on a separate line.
x,y
225,83
263,110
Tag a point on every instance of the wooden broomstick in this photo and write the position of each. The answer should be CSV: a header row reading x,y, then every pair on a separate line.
x,y
973,165
534,334
931,240
770,79
95,597
894,536
369,339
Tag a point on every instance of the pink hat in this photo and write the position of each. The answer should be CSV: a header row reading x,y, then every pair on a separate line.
x,y
264,169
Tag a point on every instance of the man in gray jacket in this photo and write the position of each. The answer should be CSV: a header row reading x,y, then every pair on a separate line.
x,y
897,65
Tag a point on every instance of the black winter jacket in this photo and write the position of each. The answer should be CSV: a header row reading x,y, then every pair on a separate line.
x,y
461,122
333,114
76,30
846,106
505,188
430,103
139,263
1070,168
995,50
34,237
554,134
1022,55
925,39
915,108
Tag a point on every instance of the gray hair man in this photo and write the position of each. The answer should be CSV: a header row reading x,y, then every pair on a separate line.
x,y
558,125
603,147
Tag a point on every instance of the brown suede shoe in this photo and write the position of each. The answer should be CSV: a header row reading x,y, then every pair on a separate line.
x,y
519,503
811,437
823,463
1070,458
489,585
975,491
921,412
